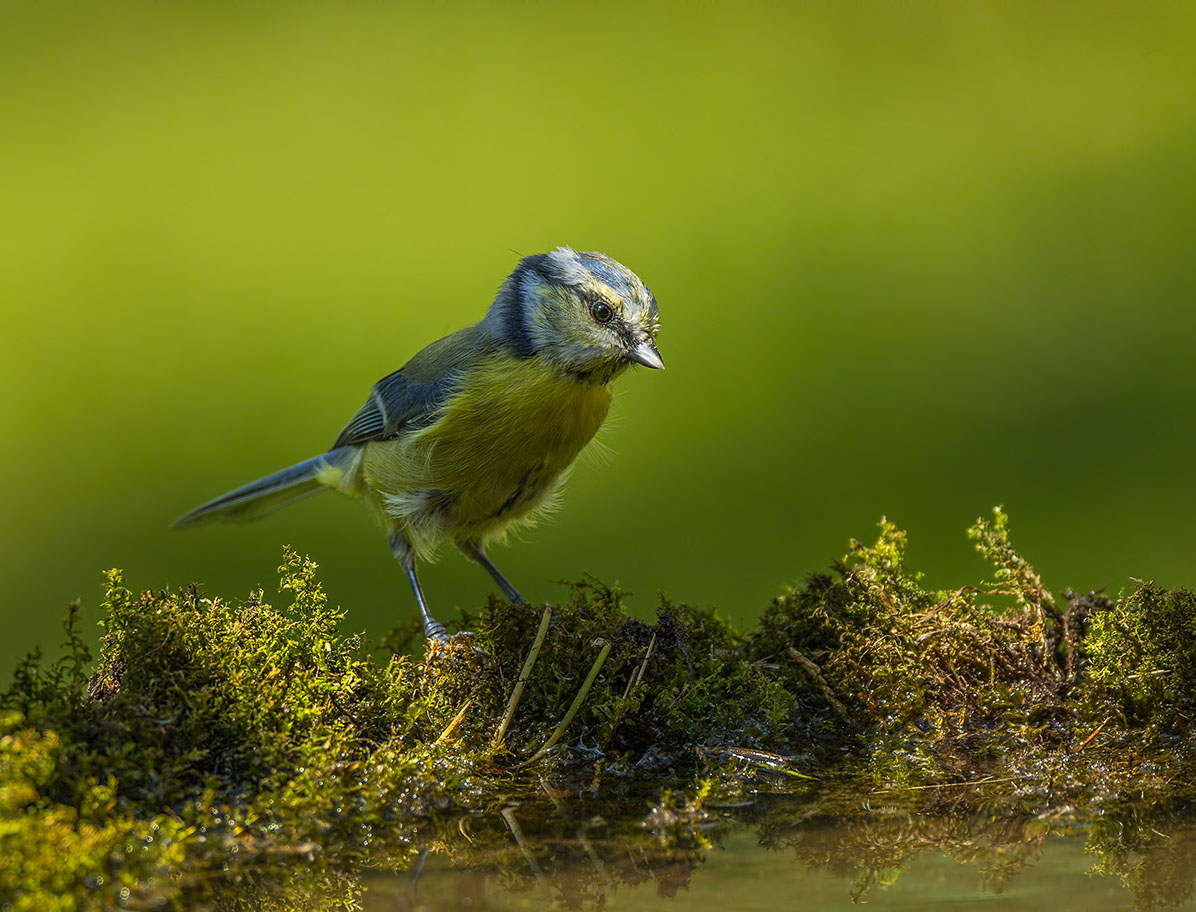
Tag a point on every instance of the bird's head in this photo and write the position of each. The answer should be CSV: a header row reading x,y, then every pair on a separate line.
x,y
587,314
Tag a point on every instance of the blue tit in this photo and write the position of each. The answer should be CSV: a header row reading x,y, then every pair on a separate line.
x,y
475,435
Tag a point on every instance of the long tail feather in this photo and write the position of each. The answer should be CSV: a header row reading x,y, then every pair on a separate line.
x,y
264,496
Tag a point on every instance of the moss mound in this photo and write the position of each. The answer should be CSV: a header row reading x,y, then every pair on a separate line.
x,y
209,732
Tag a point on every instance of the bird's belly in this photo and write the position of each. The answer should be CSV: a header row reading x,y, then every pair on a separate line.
x,y
498,453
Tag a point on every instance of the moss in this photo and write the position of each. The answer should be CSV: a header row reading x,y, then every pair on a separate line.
x,y
922,685
209,730
1142,658
1149,848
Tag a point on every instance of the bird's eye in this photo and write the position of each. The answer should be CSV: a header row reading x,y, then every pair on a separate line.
x,y
601,311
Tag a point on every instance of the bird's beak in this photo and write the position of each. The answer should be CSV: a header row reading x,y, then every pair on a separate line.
x,y
646,354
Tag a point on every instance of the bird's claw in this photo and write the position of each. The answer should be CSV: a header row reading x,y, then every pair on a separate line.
x,y
434,632
443,640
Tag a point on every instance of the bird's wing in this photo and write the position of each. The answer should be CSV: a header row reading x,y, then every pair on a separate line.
x,y
396,402
412,395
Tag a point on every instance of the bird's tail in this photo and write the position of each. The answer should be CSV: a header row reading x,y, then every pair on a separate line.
x,y
264,496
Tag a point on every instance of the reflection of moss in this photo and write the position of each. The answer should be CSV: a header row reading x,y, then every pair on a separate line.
x,y
211,730
872,850
1150,848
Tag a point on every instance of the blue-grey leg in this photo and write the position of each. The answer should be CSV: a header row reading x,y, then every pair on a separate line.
x,y
401,549
474,552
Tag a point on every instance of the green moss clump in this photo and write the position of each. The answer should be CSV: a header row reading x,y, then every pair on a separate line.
x,y
1139,686
67,847
663,690
926,685
206,730
1142,657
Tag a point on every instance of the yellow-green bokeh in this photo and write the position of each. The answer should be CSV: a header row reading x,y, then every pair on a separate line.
x,y
912,259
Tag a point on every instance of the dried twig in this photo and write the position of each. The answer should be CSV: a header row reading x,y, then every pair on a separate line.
x,y
766,759
636,677
639,675
946,785
1098,730
456,721
524,673
816,673
576,705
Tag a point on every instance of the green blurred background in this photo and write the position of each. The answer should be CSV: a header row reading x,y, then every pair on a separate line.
x,y
913,259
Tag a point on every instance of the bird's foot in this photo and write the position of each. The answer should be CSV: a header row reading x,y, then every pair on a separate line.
x,y
434,632
448,643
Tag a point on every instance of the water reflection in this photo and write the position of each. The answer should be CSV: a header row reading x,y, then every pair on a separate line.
x,y
784,853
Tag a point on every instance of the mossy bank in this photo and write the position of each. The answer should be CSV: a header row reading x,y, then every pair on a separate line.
x,y
214,734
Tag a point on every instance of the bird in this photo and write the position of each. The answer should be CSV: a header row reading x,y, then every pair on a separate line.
x,y
476,434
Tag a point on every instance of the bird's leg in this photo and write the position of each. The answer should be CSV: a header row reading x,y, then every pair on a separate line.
x,y
474,552
401,549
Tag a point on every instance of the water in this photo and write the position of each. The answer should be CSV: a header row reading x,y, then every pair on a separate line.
x,y
742,875
885,861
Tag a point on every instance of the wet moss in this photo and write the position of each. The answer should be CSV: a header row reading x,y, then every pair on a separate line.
x,y
211,733
1142,659
922,686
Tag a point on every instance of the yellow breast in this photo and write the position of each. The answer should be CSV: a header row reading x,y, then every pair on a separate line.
x,y
497,453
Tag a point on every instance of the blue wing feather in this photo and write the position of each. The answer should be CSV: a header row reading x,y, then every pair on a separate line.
x,y
412,396
395,404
